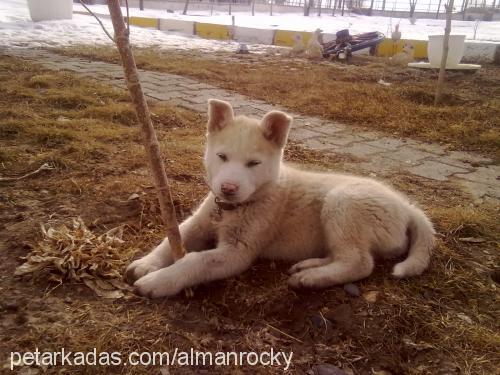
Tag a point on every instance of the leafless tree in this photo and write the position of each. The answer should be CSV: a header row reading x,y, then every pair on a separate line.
x,y
186,4
446,45
151,143
413,5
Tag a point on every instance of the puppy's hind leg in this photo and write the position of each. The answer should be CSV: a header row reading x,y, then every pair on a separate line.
x,y
347,244
352,266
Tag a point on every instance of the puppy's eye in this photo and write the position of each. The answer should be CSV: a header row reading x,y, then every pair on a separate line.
x,y
222,157
253,163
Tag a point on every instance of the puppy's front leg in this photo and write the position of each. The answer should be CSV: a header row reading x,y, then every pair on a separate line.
x,y
196,232
193,269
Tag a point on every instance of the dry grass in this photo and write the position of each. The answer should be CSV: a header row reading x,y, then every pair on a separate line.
x,y
442,322
349,93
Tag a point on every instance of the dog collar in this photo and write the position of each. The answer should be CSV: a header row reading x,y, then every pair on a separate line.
x,y
227,206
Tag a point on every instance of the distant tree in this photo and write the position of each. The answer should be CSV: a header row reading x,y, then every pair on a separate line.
x,y
186,4
413,5
465,4
141,4
439,7
446,45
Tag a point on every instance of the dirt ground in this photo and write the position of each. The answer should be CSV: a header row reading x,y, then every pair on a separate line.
x,y
443,322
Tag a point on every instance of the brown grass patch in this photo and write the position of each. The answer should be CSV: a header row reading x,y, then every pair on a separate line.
x,y
444,321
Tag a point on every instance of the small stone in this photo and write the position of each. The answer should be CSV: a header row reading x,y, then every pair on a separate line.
x,y
327,369
68,300
11,306
352,290
372,296
495,275
465,318
133,196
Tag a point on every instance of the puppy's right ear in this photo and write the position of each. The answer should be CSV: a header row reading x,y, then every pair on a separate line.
x,y
220,114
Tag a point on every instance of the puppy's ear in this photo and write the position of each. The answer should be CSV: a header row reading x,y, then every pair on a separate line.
x,y
220,114
276,126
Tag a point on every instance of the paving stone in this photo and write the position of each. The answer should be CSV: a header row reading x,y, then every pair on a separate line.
x,y
167,95
196,107
322,143
368,135
381,165
362,149
488,175
329,128
460,158
435,170
407,155
480,190
344,139
301,134
429,147
391,144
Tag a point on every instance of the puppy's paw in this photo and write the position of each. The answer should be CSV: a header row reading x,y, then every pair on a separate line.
x,y
308,263
161,283
141,267
301,279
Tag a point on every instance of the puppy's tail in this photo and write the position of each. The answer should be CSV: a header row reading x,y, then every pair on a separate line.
x,y
421,234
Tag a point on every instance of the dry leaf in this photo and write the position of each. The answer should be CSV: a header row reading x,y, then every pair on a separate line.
x,y
77,254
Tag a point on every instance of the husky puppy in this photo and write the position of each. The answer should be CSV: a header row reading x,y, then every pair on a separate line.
x,y
333,225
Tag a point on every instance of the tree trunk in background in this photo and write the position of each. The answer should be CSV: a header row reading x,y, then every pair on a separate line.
x,y
446,44
465,4
439,7
319,7
383,5
253,7
148,132
186,4
343,5
413,4
271,7
141,4
306,7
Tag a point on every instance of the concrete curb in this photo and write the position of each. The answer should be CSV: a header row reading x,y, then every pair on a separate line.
x,y
482,52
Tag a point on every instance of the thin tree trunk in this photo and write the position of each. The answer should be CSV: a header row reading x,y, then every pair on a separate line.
x,y
446,44
148,132
439,7
383,5
319,8
306,8
186,4
465,4
343,5
271,7
141,4
253,7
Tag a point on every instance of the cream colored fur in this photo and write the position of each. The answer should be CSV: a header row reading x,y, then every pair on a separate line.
x,y
332,225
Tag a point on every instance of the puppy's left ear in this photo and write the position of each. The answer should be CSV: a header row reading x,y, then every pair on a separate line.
x,y
276,126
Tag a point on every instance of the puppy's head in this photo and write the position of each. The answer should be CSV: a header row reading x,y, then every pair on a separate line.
x,y
243,154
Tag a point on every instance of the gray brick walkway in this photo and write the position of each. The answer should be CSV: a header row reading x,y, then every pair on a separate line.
x,y
375,153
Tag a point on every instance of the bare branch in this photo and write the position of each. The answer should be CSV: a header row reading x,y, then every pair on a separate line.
x,y
98,20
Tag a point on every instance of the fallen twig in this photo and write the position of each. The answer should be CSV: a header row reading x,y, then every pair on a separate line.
x,y
45,166
284,333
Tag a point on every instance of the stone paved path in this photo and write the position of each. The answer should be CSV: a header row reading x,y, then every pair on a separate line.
x,y
375,152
